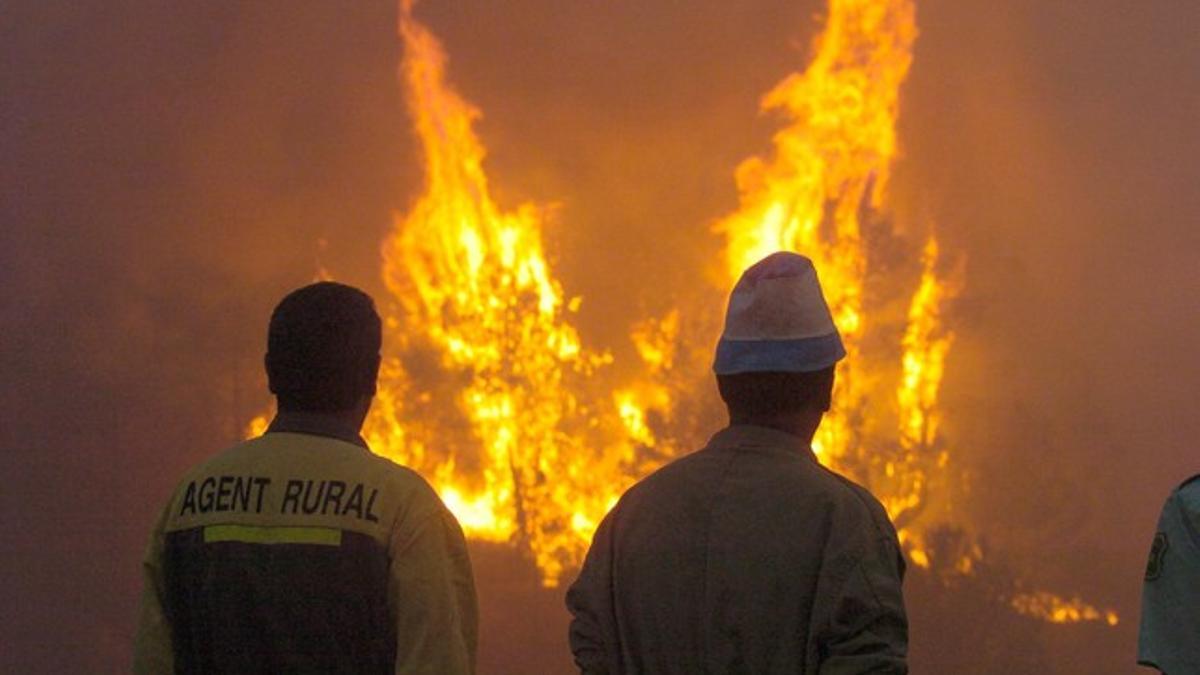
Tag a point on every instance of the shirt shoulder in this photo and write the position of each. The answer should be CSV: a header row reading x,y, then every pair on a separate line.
x,y
859,498
306,451
1191,486
289,479
1186,497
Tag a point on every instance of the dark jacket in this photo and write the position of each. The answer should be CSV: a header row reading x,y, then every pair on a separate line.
x,y
745,557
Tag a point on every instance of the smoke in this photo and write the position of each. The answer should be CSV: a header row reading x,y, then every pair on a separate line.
x,y
170,170
1050,144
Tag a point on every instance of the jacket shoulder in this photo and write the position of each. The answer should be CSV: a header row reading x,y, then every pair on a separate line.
x,y
860,497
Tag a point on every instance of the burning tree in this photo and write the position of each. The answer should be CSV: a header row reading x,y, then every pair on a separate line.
x,y
541,438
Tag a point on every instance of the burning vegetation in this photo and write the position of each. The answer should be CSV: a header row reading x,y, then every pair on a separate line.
x,y
544,435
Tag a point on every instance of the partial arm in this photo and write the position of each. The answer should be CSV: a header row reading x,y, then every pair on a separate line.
x,y
152,652
433,598
868,631
590,602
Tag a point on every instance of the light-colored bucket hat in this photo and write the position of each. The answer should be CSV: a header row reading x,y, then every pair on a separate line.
x,y
778,321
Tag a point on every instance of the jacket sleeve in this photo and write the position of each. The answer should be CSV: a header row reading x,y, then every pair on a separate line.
x,y
432,595
592,633
152,652
868,630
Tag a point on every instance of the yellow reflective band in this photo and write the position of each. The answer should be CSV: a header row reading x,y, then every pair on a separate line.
x,y
252,534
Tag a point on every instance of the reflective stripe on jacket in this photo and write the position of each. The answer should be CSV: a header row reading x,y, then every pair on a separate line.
x,y
296,552
744,557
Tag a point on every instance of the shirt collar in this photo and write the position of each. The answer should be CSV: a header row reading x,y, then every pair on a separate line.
x,y
315,424
749,437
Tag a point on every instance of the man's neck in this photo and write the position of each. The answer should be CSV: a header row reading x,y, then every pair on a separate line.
x,y
342,425
801,423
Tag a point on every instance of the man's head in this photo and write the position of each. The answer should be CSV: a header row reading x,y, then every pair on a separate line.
x,y
777,353
323,349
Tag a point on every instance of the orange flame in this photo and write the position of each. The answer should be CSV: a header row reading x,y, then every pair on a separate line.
x,y
482,312
537,444
1055,609
529,442
828,179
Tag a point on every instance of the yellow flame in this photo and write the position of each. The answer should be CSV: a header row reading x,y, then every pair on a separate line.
x,y
257,426
488,390
519,456
828,175
832,161
478,297
923,362
1056,609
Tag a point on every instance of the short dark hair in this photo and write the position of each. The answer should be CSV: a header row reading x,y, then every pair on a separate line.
x,y
323,348
774,393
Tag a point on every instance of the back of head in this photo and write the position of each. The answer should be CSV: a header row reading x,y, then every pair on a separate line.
x,y
779,347
323,347
772,394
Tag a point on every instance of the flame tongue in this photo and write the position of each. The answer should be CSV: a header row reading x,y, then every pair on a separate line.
x,y
831,164
474,284
835,154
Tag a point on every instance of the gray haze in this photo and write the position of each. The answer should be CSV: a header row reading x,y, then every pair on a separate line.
x,y
171,169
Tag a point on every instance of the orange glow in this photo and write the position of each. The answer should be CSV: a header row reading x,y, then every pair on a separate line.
x,y
826,180
257,426
526,454
534,452
1055,609
488,390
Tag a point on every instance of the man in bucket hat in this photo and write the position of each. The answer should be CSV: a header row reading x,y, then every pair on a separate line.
x,y
748,556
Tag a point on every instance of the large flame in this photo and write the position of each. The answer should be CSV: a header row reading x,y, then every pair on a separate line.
x,y
826,181
531,452
488,390
480,314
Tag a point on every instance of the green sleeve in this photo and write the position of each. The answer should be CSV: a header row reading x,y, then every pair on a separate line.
x,y
432,596
152,653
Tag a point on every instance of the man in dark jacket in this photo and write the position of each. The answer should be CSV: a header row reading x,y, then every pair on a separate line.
x,y
748,556
300,551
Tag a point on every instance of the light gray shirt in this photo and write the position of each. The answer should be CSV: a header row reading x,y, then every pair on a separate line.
x,y
1169,635
744,557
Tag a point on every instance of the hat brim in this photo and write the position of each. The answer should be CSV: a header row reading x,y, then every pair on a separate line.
x,y
778,356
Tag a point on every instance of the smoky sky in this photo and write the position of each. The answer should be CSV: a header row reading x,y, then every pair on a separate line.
x,y
172,169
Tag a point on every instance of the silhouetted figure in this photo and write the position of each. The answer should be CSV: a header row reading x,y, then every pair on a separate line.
x,y
300,551
748,556
1169,635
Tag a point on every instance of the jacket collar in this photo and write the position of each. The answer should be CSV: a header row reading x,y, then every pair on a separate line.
x,y
748,437
315,424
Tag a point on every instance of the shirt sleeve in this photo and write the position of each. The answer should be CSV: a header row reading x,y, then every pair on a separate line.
x,y
432,595
152,652
1170,596
868,629
592,631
